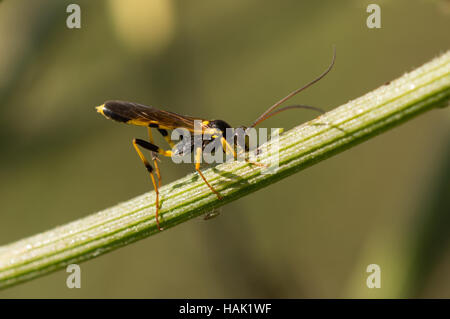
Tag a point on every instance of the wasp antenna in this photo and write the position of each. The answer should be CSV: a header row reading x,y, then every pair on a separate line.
x,y
287,97
290,107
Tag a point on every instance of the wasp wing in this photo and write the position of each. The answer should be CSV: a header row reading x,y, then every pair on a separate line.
x,y
143,115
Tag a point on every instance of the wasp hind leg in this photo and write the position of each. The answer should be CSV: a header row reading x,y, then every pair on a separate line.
x,y
166,136
149,168
154,157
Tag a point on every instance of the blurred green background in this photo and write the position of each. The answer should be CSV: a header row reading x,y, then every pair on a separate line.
x,y
385,201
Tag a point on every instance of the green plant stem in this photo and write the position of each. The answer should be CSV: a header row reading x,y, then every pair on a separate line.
x,y
352,123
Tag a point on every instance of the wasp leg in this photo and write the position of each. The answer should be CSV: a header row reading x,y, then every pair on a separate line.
x,y
228,149
154,157
166,136
198,156
150,171
152,147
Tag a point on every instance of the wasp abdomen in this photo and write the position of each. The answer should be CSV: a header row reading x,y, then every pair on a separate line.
x,y
113,111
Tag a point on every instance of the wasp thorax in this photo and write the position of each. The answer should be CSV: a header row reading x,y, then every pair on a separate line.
x,y
219,125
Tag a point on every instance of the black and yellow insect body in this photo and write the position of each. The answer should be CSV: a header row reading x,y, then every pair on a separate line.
x,y
164,121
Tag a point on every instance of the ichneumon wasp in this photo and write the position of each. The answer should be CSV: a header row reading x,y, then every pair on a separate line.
x,y
163,121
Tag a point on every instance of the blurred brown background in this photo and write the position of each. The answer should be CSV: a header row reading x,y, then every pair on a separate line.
x,y
385,201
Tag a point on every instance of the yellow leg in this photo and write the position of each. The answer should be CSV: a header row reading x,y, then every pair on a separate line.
x,y
166,136
150,170
154,157
153,148
229,150
198,156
